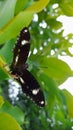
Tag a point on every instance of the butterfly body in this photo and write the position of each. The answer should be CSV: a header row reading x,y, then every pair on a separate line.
x,y
18,67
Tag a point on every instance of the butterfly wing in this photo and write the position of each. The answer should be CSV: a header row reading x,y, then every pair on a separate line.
x,y
21,50
29,84
31,88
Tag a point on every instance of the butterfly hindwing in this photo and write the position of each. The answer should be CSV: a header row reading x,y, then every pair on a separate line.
x,y
31,88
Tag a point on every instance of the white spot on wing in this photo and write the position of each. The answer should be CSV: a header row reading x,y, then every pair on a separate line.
x,y
35,91
42,102
22,81
24,42
25,30
16,60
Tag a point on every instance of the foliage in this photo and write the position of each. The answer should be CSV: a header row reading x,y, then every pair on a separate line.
x,y
47,44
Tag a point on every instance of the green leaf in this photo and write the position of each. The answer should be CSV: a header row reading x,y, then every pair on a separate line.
x,y
67,7
51,90
1,101
7,51
20,5
13,111
38,6
6,12
54,24
3,74
3,70
14,26
69,100
54,68
21,20
7,122
59,115
6,59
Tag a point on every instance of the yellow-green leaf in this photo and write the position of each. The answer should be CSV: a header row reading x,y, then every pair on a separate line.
x,y
12,28
1,101
38,6
67,7
3,70
14,111
7,122
69,100
55,68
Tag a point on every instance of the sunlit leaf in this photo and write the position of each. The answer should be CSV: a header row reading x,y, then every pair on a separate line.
x,y
59,115
13,111
1,101
69,100
14,26
6,12
7,122
21,20
55,68
67,7
38,6
3,70
20,5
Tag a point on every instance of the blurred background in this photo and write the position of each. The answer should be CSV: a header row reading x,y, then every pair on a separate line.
x,y
50,61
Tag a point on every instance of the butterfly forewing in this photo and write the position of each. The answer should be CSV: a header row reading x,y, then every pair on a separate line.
x,y
31,88
21,50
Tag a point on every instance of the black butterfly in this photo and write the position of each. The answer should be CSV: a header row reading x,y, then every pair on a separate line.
x,y
18,67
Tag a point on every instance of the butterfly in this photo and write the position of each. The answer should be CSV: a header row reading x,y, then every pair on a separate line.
x,y
19,68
